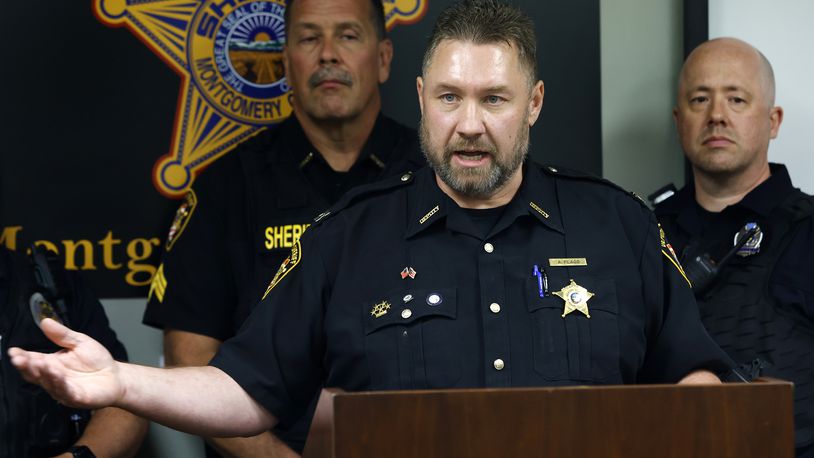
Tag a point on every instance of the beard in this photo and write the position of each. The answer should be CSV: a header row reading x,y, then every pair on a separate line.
x,y
475,182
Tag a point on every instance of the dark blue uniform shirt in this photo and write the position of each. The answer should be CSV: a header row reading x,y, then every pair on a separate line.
x,y
342,313
791,280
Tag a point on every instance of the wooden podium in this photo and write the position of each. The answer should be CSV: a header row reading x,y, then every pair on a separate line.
x,y
715,421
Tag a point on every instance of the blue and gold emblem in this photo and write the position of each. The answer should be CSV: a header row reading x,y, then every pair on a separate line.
x,y
403,11
229,56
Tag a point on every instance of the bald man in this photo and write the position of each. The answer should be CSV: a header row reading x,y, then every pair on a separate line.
x,y
743,232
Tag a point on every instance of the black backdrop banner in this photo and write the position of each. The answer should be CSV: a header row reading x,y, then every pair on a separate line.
x,y
112,107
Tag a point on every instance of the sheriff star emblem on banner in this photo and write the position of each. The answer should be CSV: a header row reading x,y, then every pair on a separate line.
x,y
229,56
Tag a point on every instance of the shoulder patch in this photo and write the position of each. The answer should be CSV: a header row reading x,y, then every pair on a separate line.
x,y
365,191
182,216
670,254
584,176
287,266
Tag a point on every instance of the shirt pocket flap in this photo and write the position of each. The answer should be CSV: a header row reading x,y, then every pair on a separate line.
x,y
407,306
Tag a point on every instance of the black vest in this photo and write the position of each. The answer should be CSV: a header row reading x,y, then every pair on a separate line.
x,y
741,315
32,424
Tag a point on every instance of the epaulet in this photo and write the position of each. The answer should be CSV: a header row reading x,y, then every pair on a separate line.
x,y
563,172
363,192
662,194
799,205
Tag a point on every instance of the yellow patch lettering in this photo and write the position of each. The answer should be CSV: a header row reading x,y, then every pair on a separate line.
x,y
283,236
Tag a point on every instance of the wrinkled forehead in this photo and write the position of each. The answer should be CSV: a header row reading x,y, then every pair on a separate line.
x,y
328,13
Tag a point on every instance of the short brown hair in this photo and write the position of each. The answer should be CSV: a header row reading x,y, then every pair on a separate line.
x,y
486,22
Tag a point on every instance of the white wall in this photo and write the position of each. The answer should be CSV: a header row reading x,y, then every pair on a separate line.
x,y
780,29
641,57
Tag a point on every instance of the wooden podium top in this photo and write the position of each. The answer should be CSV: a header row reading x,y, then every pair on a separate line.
x,y
731,420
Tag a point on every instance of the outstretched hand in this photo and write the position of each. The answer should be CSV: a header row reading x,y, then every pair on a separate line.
x,y
83,374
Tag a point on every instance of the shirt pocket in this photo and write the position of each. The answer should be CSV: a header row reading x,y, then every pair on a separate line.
x,y
575,347
412,339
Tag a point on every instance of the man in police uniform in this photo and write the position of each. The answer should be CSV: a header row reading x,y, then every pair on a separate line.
x,y
234,229
482,271
31,423
758,302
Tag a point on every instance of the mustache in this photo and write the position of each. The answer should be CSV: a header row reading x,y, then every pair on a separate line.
x,y
478,144
716,131
329,74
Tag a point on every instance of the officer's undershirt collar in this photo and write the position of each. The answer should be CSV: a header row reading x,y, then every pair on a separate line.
x,y
428,204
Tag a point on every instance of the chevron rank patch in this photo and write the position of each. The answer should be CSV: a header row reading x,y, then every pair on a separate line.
x,y
158,285
287,266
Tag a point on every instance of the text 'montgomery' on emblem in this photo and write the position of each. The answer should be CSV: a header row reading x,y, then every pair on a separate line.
x,y
229,56
236,59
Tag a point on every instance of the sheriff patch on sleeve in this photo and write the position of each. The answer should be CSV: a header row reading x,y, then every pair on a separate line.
x,y
670,254
287,266
182,216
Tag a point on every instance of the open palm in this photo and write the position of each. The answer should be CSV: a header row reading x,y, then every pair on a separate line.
x,y
82,374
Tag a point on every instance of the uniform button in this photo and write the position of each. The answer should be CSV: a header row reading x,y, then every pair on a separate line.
x,y
434,299
494,307
499,364
406,313
408,298
405,177
488,247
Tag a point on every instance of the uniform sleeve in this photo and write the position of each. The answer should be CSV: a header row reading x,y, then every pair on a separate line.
x,y
680,343
193,289
88,317
278,354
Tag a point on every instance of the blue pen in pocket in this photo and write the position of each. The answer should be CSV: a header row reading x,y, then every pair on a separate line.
x,y
542,280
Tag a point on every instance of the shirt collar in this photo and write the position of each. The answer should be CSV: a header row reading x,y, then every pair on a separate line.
x,y
769,194
428,205
295,147
761,200
537,196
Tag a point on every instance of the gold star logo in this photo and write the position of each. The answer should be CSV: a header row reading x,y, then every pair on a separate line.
x,y
230,58
576,298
